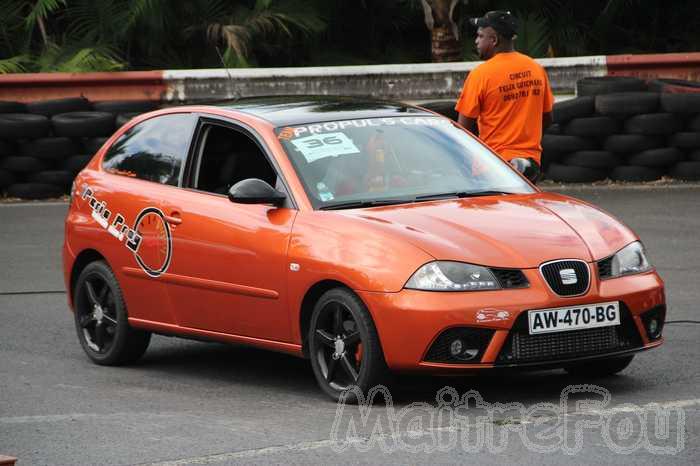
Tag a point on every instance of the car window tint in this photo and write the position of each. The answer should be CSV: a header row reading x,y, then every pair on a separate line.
x,y
154,150
229,156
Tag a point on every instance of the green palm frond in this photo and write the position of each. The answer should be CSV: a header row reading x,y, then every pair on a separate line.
x,y
97,20
77,58
265,19
533,36
42,9
14,64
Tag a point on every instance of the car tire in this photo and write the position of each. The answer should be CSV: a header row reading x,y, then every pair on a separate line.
x,y
685,140
597,85
7,178
674,86
571,174
340,316
634,173
53,107
680,103
580,107
563,144
627,103
101,319
76,163
7,148
656,158
83,124
92,145
694,123
631,143
687,171
49,149
125,106
694,156
34,191
600,126
23,126
23,164
12,107
603,368
60,178
597,159
652,124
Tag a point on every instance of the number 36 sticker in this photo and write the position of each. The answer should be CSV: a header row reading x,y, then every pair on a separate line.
x,y
325,145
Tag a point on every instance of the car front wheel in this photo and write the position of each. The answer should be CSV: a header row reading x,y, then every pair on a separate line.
x,y
344,345
101,318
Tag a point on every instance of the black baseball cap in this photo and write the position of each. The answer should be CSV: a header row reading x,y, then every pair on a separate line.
x,y
503,22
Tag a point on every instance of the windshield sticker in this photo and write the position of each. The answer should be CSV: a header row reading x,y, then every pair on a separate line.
x,y
150,239
364,123
329,145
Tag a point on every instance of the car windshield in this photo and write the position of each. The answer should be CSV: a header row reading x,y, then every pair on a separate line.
x,y
380,161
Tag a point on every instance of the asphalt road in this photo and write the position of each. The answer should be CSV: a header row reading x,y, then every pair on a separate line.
x,y
202,403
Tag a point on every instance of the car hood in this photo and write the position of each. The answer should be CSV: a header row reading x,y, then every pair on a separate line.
x,y
518,231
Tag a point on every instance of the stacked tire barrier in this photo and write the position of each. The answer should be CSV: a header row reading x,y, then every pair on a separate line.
x,y
43,145
624,129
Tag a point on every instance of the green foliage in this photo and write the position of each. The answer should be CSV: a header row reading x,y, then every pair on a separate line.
x,y
91,35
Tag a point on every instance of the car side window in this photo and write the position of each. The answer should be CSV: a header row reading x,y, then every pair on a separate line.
x,y
153,150
228,156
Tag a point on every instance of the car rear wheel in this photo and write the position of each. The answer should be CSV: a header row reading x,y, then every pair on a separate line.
x,y
101,318
600,368
344,345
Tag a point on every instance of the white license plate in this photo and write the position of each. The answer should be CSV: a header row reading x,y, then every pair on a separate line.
x,y
574,318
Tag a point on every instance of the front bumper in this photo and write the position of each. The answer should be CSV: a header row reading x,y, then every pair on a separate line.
x,y
410,321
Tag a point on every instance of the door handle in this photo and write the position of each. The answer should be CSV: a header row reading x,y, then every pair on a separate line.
x,y
173,219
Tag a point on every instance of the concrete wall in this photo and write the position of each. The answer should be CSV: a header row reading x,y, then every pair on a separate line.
x,y
415,82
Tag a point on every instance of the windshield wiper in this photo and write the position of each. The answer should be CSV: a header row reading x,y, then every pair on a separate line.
x,y
366,203
460,194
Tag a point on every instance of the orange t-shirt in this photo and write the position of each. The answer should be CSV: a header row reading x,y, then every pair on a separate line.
x,y
507,95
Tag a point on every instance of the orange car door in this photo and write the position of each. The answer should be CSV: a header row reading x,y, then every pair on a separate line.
x,y
140,169
229,263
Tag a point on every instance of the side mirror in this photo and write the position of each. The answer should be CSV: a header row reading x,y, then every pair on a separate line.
x,y
255,191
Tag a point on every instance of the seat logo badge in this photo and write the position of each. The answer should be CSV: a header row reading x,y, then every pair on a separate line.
x,y
568,276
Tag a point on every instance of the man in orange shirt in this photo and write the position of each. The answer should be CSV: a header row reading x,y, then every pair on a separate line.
x,y
508,97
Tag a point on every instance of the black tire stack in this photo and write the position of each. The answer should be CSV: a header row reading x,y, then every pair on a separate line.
x,y
619,130
43,145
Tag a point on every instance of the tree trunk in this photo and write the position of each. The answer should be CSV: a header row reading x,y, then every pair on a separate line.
x,y
445,46
443,30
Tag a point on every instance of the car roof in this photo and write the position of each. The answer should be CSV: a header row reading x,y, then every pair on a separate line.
x,y
296,110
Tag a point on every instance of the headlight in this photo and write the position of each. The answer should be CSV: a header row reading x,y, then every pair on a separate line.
x,y
452,276
630,259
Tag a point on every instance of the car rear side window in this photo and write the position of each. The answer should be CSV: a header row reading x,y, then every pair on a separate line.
x,y
153,150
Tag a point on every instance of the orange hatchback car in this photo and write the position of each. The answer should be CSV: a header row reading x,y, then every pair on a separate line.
x,y
369,237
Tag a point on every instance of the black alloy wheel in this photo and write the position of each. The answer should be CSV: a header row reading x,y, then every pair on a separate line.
x,y
344,346
101,319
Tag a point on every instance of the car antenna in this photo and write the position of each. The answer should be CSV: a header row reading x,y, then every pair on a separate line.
x,y
236,94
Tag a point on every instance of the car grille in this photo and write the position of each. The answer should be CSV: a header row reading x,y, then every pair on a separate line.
x,y
553,273
605,268
477,338
521,347
511,278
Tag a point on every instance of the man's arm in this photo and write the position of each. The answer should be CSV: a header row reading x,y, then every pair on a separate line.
x,y
546,120
469,124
